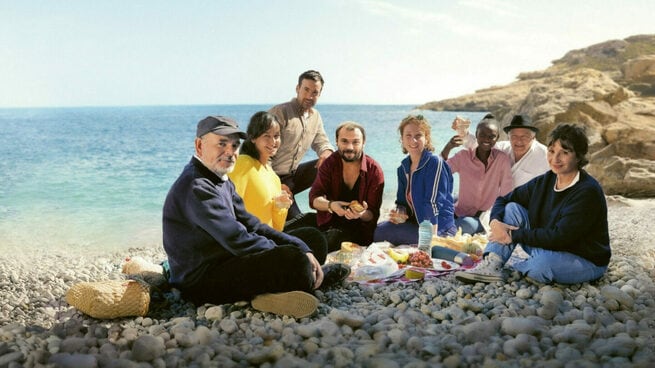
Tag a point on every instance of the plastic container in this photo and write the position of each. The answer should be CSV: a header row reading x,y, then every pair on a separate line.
x,y
425,236
452,255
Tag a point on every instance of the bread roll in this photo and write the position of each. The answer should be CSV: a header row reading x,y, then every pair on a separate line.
x,y
356,206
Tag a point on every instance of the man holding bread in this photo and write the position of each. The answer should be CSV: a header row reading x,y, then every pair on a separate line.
x,y
347,191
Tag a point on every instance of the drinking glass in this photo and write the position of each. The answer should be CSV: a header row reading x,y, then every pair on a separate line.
x,y
398,214
282,200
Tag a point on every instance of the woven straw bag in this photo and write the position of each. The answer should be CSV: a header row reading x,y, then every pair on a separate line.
x,y
110,298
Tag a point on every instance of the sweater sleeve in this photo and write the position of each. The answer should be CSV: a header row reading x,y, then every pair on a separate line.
x,y
568,225
232,226
445,201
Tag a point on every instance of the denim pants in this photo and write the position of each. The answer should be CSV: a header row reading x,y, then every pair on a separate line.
x,y
283,268
544,265
469,224
396,234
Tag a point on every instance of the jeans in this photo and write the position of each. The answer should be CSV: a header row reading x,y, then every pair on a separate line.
x,y
283,268
543,265
469,224
405,233
396,234
298,181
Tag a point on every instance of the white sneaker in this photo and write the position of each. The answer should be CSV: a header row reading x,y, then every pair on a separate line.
x,y
489,270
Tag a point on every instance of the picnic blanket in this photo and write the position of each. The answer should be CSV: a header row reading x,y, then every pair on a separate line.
x,y
373,265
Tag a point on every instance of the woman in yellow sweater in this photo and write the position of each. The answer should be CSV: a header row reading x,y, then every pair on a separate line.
x,y
254,179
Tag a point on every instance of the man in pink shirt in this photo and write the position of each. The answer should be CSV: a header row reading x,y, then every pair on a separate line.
x,y
485,173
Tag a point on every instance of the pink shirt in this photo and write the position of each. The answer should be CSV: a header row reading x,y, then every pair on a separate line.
x,y
479,186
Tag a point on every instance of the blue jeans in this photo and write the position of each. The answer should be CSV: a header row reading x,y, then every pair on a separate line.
x,y
405,233
469,224
544,265
396,234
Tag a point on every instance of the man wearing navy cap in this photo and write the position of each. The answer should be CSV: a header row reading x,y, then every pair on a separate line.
x,y
219,253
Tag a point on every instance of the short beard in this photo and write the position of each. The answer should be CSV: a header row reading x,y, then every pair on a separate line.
x,y
357,157
221,172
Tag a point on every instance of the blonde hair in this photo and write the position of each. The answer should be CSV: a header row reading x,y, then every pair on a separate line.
x,y
423,125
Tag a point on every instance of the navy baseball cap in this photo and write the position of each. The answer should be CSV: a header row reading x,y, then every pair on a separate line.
x,y
220,125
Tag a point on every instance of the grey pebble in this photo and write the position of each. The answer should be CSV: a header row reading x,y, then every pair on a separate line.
x,y
437,322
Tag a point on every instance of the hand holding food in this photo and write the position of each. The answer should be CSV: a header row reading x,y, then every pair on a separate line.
x,y
356,206
398,215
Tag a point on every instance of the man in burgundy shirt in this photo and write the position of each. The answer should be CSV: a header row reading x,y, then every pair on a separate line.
x,y
345,176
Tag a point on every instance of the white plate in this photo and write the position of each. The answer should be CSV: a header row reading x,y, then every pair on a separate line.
x,y
437,264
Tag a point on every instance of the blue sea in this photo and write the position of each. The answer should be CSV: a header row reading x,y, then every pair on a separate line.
x,y
95,178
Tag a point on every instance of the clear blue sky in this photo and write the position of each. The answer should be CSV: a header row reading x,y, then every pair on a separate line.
x,y
141,52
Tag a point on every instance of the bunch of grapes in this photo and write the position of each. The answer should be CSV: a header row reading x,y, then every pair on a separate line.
x,y
420,259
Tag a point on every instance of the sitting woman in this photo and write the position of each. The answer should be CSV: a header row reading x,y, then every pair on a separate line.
x,y
425,187
559,218
253,177
484,171
257,183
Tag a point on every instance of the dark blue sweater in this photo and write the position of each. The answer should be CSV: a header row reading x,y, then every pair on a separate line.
x,y
205,223
574,220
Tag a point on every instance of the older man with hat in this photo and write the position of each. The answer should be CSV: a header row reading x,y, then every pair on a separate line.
x,y
219,253
527,155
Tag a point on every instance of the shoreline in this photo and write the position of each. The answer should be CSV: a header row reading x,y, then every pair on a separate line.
x,y
609,322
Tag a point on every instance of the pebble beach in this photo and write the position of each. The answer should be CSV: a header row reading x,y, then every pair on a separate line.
x,y
436,322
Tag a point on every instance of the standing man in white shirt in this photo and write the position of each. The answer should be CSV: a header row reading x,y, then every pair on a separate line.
x,y
301,127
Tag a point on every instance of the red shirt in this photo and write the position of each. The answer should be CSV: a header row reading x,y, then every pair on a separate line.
x,y
371,187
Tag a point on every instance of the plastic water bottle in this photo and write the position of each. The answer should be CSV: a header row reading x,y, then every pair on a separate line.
x,y
425,236
451,255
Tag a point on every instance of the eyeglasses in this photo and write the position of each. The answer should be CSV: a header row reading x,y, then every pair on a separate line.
x,y
520,138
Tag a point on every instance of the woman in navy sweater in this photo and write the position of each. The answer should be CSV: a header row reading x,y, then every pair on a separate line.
x,y
559,218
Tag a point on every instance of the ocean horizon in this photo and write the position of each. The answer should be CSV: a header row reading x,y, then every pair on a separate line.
x,y
87,179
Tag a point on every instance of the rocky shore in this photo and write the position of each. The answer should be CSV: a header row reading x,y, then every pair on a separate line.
x,y
434,323
608,87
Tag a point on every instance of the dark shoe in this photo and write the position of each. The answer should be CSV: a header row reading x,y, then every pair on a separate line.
x,y
334,274
296,304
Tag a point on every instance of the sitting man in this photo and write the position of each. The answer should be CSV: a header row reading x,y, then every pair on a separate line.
x,y
219,253
526,154
348,175
484,174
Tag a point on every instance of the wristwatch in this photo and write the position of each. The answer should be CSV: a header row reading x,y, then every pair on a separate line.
x,y
329,207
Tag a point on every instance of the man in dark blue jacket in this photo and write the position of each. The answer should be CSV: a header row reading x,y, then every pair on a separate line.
x,y
219,253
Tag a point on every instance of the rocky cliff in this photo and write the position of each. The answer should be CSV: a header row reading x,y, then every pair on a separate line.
x,y
608,87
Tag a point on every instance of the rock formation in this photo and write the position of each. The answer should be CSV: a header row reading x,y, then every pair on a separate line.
x,y
608,87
